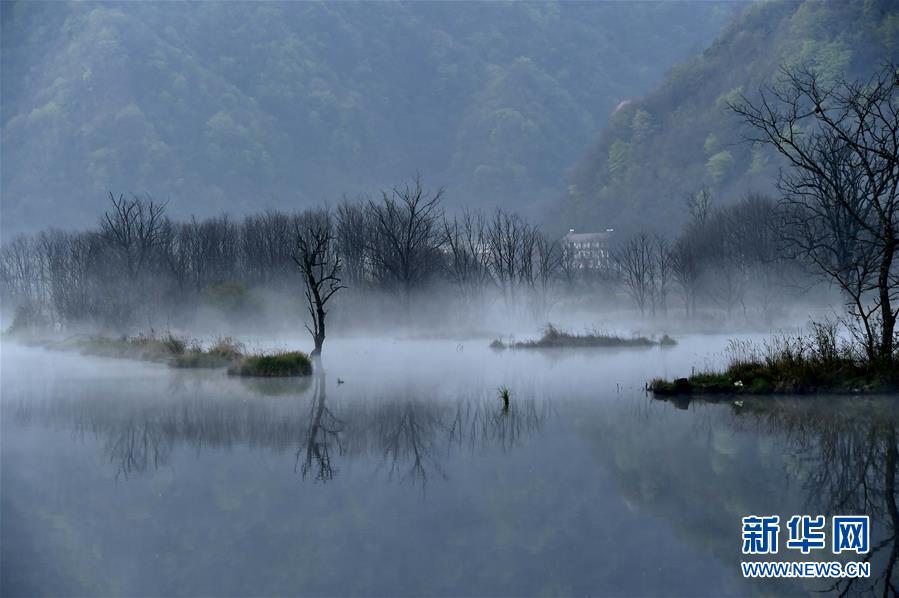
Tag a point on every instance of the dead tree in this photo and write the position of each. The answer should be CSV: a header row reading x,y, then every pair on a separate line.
x,y
314,253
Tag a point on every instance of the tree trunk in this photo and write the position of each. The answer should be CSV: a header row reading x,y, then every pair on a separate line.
x,y
319,336
888,323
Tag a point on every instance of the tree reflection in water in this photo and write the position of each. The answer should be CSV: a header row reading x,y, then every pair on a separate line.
x,y
409,436
324,430
845,455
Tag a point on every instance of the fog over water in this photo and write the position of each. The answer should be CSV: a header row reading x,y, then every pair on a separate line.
x,y
397,472
448,298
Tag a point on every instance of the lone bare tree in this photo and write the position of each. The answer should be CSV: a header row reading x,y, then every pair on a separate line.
x,y
314,253
841,190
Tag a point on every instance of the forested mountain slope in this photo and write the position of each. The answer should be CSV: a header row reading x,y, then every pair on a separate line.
x,y
682,135
237,106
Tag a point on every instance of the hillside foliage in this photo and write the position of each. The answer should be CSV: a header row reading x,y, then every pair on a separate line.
x,y
242,106
662,148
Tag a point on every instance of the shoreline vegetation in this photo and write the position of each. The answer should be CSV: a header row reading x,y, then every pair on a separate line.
x,y
556,338
181,353
818,362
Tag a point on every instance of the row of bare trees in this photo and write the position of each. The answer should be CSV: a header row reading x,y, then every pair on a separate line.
x,y
727,259
138,262
405,241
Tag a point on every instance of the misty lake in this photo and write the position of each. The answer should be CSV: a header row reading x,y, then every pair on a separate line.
x,y
398,472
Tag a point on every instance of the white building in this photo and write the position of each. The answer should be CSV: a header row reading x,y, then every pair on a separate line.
x,y
587,251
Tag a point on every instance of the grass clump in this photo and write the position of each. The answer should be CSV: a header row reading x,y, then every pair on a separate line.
x,y
173,344
283,364
223,353
498,345
556,338
504,395
815,362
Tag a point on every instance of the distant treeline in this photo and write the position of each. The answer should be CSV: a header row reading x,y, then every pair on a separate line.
x,y
731,259
138,265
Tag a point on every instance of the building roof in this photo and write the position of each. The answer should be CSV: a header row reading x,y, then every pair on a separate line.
x,y
573,237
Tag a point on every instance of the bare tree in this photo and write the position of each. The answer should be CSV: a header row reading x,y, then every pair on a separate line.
x,y
663,273
699,205
352,236
724,258
130,248
267,246
133,229
635,264
465,238
841,190
405,246
76,285
685,264
547,265
22,279
754,226
506,234
314,253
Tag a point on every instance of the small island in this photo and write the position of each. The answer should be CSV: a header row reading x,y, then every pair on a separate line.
x,y
554,338
182,353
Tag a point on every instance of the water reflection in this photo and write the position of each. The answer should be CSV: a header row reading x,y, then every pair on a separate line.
x,y
324,430
845,455
319,488
410,435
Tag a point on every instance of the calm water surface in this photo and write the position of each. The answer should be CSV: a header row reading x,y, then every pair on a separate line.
x,y
397,472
